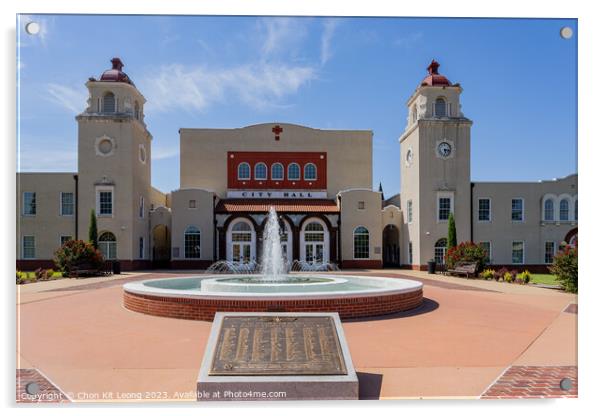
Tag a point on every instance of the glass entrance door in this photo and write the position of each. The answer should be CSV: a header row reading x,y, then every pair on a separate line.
x,y
314,252
241,252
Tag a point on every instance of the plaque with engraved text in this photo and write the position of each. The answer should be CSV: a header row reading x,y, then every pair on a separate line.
x,y
278,345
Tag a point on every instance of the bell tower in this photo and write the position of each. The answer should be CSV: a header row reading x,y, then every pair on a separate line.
x,y
435,168
114,166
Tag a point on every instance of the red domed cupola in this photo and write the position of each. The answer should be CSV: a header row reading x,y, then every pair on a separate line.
x,y
434,79
115,74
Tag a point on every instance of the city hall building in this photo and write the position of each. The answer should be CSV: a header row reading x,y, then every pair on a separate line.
x,y
319,181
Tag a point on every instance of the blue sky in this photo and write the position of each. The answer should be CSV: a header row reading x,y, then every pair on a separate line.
x,y
519,80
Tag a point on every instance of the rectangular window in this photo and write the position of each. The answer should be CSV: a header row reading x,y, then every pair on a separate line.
x,y
65,238
361,245
444,208
361,204
192,203
486,246
517,209
29,247
410,214
105,203
29,203
67,203
518,252
141,247
410,254
549,252
141,207
484,209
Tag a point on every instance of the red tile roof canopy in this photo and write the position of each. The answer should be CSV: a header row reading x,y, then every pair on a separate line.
x,y
226,206
115,74
434,78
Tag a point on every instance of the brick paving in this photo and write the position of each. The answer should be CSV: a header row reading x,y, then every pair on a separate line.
x,y
43,392
533,382
572,308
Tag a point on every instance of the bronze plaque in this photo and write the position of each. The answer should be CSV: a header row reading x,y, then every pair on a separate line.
x,y
277,345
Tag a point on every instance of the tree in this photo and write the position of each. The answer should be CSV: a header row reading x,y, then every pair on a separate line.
x,y
565,267
93,230
452,240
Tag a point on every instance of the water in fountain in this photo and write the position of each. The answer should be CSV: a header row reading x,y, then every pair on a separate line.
x,y
273,266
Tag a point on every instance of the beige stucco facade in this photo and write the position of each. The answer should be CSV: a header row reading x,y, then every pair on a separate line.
x,y
230,177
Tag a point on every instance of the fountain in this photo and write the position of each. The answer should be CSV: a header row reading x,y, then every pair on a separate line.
x,y
236,286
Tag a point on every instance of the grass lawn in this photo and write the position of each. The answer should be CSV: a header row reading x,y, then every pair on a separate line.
x,y
546,279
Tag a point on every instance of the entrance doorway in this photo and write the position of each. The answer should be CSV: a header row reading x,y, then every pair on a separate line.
x,y
315,242
391,246
241,242
161,247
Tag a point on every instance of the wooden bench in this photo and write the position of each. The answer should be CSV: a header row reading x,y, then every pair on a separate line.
x,y
468,269
87,269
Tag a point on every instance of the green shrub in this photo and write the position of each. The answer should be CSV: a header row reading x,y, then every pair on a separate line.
x,y
466,252
508,277
525,277
565,268
74,253
487,274
21,277
43,274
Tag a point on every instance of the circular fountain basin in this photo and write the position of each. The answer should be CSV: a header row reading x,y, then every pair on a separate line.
x,y
199,297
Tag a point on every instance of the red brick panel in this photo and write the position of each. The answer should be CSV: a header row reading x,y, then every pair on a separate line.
x,y
269,158
205,309
531,382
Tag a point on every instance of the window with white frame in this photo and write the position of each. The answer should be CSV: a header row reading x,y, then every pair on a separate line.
x,y
517,209
549,252
440,107
29,247
564,210
261,171
29,203
361,243
486,246
141,207
108,103
444,208
67,203
410,211
104,201
244,171
141,248
192,243
310,172
65,238
277,172
484,209
440,249
107,244
294,172
518,252
548,210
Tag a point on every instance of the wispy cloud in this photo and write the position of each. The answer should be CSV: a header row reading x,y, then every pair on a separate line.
x,y
281,34
195,88
71,99
326,40
409,40
160,153
48,155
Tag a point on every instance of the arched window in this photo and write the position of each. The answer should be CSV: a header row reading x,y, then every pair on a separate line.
x,y
277,172
294,172
192,243
361,243
244,171
108,103
107,244
261,171
314,231
440,108
564,210
548,207
440,248
310,173
136,110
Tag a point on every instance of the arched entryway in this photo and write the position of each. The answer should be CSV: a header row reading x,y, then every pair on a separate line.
x,y
315,241
391,246
241,241
161,246
107,244
571,237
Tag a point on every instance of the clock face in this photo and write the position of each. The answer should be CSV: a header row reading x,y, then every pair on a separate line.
x,y
444,149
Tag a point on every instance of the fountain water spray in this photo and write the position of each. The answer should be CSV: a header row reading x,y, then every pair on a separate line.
x,y
273,266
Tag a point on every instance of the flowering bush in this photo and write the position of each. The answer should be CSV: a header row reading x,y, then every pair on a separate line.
x,y
565,268
77,252
488,274
466,252
524,277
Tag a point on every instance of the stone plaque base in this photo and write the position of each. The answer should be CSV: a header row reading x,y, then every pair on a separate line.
x,y
308,350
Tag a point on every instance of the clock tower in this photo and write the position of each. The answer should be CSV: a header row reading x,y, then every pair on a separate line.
x,y
435,169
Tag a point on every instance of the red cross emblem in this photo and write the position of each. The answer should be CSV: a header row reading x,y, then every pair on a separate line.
x,y
277,130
